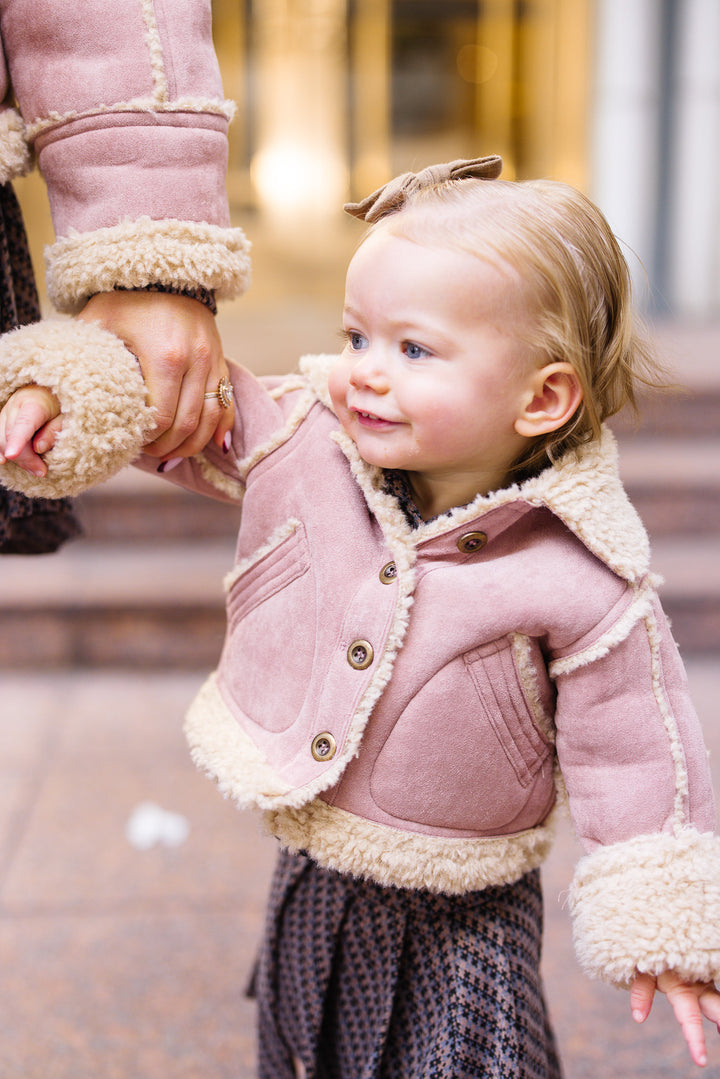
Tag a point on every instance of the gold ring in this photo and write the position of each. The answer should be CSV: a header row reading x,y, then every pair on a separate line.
x,y
223,393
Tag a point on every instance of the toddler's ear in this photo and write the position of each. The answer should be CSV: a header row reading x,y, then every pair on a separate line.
x,y
553,397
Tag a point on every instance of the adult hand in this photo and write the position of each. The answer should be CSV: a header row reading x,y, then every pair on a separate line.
x,y
178,346
689,1002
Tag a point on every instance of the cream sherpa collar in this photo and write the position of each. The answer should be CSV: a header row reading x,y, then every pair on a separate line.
x,y
583,490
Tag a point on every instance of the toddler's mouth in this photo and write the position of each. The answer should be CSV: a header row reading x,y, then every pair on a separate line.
x,y
371,419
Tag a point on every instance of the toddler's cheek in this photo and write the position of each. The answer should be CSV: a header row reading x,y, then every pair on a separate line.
x,y
338,387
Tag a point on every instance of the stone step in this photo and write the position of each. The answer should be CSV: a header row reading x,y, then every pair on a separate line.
x,y
98,605
690,594
694,411
690,352
102,605
143,588
674,483
135,507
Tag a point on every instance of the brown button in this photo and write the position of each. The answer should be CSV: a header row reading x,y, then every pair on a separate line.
x,y
323,746
360,655
388,573
472,542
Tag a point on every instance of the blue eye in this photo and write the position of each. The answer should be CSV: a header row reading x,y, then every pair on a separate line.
x,y
413,351
354,340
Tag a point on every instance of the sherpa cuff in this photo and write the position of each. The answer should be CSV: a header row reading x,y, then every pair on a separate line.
x,y
102,397
134,254
649,905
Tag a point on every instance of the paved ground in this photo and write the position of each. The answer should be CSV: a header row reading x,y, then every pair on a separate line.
x,y
123,954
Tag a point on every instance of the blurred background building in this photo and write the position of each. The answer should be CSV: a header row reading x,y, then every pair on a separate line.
x,y
619,97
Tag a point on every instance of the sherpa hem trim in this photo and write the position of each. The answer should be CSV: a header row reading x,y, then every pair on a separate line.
x,y
391,856
341,840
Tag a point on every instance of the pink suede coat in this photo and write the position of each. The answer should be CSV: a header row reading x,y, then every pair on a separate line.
x,y
121,101
409,705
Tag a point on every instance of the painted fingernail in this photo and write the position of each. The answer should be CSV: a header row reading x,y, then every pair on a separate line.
x,y
227,442
167,466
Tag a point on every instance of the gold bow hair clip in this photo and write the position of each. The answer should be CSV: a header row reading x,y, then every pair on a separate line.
x,y
391,196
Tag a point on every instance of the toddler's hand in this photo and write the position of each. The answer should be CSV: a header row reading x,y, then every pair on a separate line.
x,y
29,424
690,1002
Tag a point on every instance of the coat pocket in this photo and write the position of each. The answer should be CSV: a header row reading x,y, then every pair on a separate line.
x,y
465,754
270,644
504,707
283,559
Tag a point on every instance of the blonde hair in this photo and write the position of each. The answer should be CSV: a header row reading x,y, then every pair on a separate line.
x,y
577,278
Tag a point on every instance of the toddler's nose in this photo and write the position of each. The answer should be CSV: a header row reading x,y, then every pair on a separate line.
x,y
368,371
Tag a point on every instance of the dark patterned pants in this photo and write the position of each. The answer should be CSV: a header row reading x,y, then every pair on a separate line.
x,y
357,981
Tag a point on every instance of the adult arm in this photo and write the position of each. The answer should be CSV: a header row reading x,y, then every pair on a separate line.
x,y
129,129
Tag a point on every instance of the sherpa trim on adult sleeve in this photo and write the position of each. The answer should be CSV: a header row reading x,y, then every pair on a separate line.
x,y
102,397
649,905
134,254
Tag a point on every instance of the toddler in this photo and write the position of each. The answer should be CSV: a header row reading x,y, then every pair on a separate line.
x,y
441,627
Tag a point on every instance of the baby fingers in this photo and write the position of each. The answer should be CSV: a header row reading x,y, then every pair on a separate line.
x,y
28,426
642,995
689,1003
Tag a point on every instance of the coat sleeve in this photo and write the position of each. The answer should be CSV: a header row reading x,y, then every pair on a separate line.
x,y
121,102
646,896
106,418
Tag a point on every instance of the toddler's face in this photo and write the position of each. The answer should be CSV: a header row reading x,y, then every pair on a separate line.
x,y
434,371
